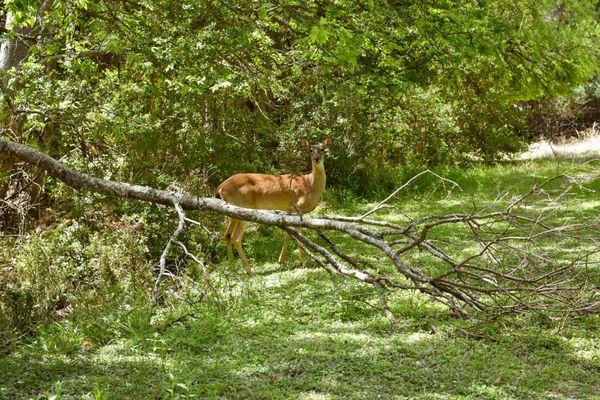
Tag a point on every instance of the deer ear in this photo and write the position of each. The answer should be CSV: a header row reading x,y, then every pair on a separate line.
x,y
328,142
305,145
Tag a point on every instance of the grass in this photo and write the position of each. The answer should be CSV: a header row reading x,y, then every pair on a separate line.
x,y
297,333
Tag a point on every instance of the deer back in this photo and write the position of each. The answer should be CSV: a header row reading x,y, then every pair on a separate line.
x,y
265,192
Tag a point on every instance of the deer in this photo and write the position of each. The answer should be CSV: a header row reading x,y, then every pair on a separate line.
x,y
289,192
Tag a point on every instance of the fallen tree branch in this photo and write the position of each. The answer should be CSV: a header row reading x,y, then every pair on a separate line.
x,y
508,273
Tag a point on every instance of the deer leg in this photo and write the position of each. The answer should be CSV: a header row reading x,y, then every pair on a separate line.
x,y
228,236
238,235
286,240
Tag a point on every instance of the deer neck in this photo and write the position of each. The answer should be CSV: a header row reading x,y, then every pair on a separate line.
x,y
316,180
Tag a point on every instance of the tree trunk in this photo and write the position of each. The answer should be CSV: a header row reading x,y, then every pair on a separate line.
x,y
14,204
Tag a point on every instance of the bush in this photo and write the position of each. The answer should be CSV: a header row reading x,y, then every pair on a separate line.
x,y
200,92
566,116
68,268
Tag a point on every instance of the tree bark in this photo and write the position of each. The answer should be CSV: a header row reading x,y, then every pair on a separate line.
x,y
14,50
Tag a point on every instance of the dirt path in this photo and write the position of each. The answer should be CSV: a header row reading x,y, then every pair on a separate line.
x,y
588,146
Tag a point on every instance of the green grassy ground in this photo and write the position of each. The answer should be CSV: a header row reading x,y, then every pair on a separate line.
x,y
298,333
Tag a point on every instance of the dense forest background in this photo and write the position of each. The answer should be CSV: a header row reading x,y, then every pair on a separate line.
x,y
183,94
161,91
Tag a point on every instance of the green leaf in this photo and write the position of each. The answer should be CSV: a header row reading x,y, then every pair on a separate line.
x,y
319,35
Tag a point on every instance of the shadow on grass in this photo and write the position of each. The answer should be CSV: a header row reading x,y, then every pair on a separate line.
x,y
298,340
299,336
351,360
41,376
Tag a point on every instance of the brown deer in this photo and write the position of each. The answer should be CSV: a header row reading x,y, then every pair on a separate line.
x,y
289,192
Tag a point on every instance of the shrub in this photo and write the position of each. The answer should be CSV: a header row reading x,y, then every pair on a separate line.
x,y
68,268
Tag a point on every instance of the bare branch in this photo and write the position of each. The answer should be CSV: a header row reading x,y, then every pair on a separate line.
x,y
395,192
163,257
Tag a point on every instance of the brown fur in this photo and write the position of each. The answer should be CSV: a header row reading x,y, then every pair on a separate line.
x,y
289,192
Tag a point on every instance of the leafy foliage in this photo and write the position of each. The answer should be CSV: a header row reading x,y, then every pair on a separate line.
x,y
71,269
197,90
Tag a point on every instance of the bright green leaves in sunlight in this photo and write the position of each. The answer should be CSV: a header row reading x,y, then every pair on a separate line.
x,y
22,12
320,34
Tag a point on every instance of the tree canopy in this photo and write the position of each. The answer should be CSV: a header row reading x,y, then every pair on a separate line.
x,y
197,90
